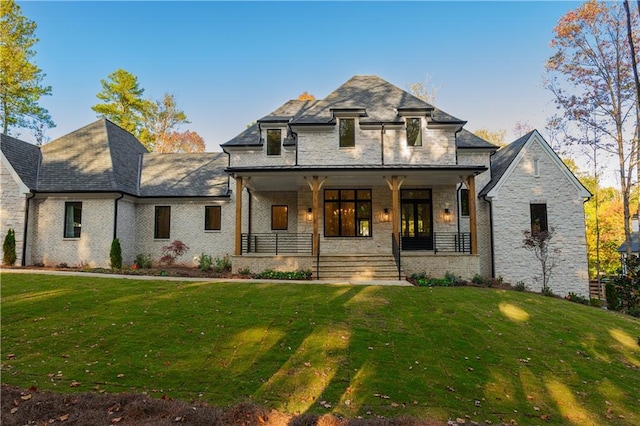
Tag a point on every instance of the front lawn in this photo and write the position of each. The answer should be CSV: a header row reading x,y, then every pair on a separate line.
x,y
366,351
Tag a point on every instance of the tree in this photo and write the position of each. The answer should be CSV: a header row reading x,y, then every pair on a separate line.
x,y
115,254
20,78
304,96
424,91
122,102
522,127
591,79
186,141
538,241
496,138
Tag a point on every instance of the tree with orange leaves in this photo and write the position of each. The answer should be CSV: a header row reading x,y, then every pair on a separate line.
x,y
304,96
590,75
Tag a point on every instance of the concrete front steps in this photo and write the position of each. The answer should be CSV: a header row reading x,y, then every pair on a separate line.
x,y
365,267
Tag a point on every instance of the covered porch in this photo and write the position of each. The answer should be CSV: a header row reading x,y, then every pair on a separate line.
x,y
295,217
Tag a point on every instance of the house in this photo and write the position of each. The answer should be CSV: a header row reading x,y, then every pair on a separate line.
x,y
369,182
635,239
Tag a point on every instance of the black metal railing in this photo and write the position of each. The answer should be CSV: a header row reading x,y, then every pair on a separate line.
x,y
395,244
456,242
277,243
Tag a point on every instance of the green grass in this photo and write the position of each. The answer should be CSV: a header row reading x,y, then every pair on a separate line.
x,y
363,350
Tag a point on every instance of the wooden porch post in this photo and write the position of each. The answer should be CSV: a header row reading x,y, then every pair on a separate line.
x,y
239,189
395,208
473,227
316,205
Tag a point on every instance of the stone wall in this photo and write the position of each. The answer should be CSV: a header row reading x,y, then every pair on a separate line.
x,y
565,213
437,265
256,263
12,209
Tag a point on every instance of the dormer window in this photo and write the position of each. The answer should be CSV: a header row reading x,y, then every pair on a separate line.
x,y
274,142
347,127
414,132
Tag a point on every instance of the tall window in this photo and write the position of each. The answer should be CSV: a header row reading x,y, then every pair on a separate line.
x,y
162,226
279,218
274,141
464,202
347,213
414,132
72,219
347,128
538,217
212,218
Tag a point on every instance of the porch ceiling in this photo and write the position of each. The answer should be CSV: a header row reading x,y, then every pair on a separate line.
x,y
292,177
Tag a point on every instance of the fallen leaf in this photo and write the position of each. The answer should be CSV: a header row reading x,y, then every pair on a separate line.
x,y
536,408
75,384
13,410
450,389
26,397
63,417
394,405
120,375
460,421
11,356
116,419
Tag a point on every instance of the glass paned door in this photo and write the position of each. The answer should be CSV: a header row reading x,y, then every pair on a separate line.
x,y
417,220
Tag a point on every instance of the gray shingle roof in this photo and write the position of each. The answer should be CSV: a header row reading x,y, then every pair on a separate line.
x,y
466,139
184,175
380,99
501,160
24,158
99,157
634,244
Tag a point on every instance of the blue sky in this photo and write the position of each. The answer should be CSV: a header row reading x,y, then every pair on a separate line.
x,y
229,64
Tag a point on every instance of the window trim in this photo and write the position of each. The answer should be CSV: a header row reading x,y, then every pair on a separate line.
x,y
356,201
286,221
214,208
155,224
353,141
73,205
536,167
279,153
419,138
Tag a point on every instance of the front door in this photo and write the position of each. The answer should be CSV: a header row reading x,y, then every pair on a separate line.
x,y
417,219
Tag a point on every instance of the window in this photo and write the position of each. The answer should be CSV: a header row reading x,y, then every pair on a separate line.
x,y
72,219
274,142
347,132
464,202
212,218
162,223
414,132
538,217
279,217
536,168
347,213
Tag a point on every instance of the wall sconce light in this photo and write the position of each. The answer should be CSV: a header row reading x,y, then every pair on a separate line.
x,y
309,213
385,215
447,215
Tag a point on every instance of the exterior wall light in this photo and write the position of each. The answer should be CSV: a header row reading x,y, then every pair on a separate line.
x,y
446,215
309,214
385,215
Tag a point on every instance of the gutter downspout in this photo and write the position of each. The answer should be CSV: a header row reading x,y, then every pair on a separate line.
x,y
115,215
295,136
455,141
26,226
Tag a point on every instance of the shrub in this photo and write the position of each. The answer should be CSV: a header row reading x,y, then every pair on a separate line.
x,y
9,248
143,261
520,286
477,279
423,280
222,264
284,275
595,302
573,297
116,254
171,252
245,272
204,262
546,291
625,290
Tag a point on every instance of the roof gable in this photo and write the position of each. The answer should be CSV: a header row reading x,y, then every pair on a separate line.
x,y
23,159
505,160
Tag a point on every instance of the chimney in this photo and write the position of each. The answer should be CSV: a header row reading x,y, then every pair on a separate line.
x,y
634,223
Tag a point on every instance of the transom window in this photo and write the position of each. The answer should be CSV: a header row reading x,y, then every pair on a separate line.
x,y
347,128
414,132
212,218
274,142
538,218
279,218
347,213
162,223
72,219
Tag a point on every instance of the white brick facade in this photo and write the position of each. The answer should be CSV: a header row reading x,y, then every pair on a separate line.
x,y
12,208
